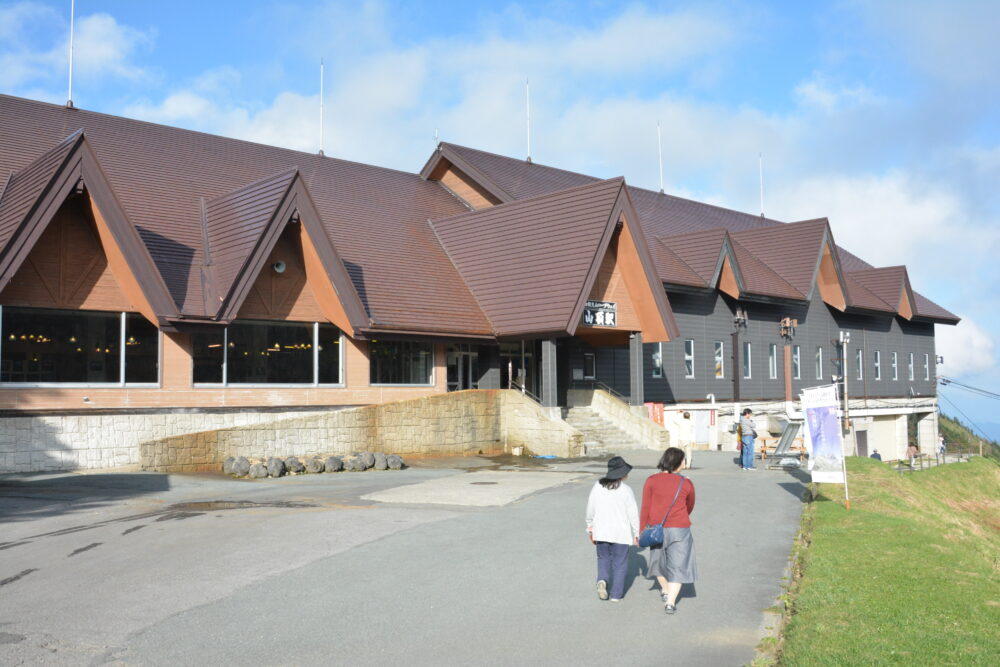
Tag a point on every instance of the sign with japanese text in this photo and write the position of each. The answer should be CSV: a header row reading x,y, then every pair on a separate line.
x,y
600,314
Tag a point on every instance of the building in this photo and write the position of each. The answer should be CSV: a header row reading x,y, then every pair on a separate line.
x,y
148,272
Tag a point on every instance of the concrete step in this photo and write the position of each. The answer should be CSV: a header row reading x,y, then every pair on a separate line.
x,y
600,435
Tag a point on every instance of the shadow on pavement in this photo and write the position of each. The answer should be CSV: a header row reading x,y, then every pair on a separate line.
x,y
25,497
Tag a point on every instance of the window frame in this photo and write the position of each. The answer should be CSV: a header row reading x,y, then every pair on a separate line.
x,y
909,367
819,362
927,367
859,361
593,364
225,384
747,360
121,383
877,360
689,372
658,361
796,362
894,365
720,359
772,361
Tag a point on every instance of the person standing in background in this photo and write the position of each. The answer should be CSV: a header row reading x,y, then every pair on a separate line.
x,y
748,437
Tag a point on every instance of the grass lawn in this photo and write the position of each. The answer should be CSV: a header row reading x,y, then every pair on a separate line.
x,y
910,575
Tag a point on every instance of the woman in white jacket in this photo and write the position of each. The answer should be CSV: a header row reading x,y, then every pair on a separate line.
x,y
613,526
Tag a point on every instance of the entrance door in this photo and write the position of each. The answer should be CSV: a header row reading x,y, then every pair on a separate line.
x,y
518,366
463,367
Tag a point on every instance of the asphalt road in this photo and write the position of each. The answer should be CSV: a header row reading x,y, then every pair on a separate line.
x,y
375,568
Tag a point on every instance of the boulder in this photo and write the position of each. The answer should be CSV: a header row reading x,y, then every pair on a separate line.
x,y
241,466
380,461
315,464
227,465
275,467
258,471
395,462
334,464
368,458
294,465
354,464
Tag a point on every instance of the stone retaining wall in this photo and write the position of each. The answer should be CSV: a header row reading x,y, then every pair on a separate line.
x,y
458,423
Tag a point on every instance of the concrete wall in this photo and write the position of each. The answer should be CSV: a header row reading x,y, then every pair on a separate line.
x,y
634,423
458,424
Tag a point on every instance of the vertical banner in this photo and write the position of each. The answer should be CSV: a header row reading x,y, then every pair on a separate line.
x,y
823,435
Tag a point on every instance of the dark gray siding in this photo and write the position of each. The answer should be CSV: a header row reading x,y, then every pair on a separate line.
x,y
707,318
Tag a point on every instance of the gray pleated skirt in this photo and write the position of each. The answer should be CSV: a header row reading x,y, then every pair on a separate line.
x,y
675,559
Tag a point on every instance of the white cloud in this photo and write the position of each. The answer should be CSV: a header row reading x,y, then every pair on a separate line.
x,y
967,349
103,47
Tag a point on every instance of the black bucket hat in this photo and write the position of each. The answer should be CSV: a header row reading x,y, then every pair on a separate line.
x,y
617,468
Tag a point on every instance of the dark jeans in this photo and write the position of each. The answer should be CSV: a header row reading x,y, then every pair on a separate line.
x,y
612,566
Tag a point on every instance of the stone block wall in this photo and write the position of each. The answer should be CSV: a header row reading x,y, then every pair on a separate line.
x,y
459,423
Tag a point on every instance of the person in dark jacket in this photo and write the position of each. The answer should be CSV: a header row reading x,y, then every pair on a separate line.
x,y
668,497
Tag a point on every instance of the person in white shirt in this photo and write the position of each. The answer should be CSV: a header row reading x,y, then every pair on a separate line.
x,y
613,526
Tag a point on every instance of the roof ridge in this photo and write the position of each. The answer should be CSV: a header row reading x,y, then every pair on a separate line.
x,y
221,137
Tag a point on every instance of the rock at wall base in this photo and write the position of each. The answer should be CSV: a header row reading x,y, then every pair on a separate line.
x,y
294,465
258,471
315,465
381,463
334,464
275,467
395,462
241,466
227,465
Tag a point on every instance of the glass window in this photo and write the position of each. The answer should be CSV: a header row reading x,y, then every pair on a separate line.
x,y
257,352
48,345
269,353
689,358
328,355
878,365
796,365
909,367
400,362
142,349
819,362
927,367
746,360
895,366
772,361
208,353
720,360
589,366
859,362
658,361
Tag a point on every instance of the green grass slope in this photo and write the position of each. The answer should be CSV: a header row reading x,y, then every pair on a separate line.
x,y
959,438
910,575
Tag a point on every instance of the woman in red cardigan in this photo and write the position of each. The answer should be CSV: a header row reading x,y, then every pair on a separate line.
x,y
668,497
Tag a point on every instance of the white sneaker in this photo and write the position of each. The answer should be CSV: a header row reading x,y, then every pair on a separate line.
x,y
602,589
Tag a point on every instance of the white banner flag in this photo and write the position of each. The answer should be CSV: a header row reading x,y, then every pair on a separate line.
x,y
824,438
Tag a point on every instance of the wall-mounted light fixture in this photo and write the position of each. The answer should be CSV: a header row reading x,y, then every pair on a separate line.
x,y
279,266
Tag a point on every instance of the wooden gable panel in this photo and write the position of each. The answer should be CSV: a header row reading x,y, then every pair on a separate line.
x,y
67,268
286,295
610,286
466,189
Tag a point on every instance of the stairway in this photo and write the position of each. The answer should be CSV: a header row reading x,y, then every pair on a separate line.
x,y
600,436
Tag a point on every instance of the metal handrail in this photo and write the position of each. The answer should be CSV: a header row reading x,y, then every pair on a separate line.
x,y
597,384
525,392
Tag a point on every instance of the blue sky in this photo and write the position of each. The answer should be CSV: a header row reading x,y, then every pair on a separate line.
x,y
878,115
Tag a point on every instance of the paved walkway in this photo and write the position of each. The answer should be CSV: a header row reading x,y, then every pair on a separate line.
x,y
374,568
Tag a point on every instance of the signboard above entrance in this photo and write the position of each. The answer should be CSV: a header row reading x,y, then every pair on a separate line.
x,y
600,314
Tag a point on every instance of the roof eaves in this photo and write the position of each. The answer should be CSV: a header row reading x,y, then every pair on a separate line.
x,y
474,173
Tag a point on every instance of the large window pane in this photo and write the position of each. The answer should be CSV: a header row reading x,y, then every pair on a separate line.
x,y
142,349
43,345
270,353
394,362
720,361
329,354
208,355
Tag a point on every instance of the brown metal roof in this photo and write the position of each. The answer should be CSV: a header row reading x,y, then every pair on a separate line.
x,y
700,250
662,215
376,218
860,296
527,262
759,279
671,268
23,190
791,250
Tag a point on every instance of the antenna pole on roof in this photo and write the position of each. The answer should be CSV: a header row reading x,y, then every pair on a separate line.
x,y
321,107
760,167
72,16
437,139
659,146
527,98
